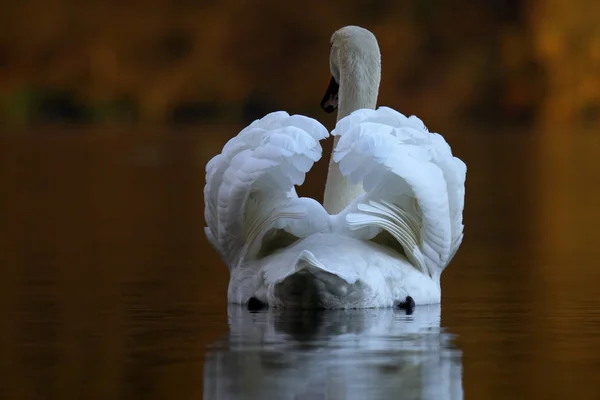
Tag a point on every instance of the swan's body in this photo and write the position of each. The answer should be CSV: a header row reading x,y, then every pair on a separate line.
x,y
392,215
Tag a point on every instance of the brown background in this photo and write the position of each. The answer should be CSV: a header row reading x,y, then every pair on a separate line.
x,y
108,288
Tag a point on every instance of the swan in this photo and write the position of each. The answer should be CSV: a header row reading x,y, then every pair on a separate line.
x,y
391,219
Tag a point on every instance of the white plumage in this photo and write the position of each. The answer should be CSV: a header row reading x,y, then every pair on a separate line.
x,y
399,187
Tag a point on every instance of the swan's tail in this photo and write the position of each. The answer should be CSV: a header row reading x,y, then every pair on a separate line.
x,y
312,287
308,283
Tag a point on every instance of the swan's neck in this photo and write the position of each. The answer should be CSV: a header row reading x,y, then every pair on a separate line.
x,y
357,90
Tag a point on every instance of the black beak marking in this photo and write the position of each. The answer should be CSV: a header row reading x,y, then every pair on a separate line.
x,y
330,100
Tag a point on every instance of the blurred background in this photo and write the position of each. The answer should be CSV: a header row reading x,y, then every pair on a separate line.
x,y
510,62
109,111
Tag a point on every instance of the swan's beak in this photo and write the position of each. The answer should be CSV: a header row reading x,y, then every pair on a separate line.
x,y
330,101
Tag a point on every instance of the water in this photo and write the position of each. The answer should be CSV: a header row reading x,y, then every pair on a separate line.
x,y
355,354
110,291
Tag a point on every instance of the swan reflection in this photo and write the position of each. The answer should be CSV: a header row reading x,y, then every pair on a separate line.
x,y
334,354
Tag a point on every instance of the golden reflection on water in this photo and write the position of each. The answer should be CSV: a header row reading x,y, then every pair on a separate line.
x,y
110,290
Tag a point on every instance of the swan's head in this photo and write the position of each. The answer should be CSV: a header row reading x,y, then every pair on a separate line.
x,y
355,64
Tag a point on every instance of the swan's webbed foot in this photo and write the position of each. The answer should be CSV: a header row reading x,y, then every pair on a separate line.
x,y
255,304
408,305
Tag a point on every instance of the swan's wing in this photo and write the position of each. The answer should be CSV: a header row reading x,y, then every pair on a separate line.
x,y
414,187
249,188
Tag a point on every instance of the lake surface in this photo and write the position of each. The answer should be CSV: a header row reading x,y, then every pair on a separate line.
x,y
109,290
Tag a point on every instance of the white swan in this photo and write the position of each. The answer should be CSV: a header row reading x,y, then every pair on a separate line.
x,y
392,215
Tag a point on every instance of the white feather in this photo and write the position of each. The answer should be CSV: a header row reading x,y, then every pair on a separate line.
x,y
423,161
266,162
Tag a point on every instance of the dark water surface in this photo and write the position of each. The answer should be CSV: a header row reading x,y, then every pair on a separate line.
x,y
109,290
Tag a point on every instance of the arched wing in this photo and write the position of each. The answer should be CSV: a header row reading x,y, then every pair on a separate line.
x,y
249,188
414,187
